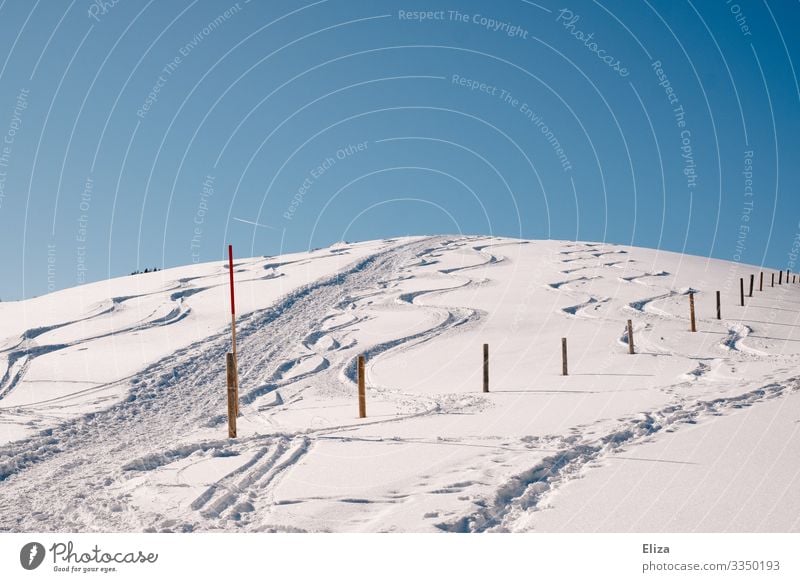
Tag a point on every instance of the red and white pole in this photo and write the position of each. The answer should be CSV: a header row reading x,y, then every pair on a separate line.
x,y
233,327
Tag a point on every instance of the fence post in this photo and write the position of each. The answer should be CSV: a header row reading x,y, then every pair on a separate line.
x,y
362,391
752,282
233,330
773,279
719,306
230,374
485,367
691,311
761,282
741,289
631,349
780,277
564,371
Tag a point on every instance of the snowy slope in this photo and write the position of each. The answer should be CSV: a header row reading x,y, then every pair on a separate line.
x,y
112,399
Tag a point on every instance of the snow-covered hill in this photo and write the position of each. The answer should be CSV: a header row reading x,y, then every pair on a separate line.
x,y
112,402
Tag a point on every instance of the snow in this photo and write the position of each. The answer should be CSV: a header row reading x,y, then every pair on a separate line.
x,y
727,474
113,418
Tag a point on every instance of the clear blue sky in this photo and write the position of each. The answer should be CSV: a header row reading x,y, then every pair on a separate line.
x,y
139,134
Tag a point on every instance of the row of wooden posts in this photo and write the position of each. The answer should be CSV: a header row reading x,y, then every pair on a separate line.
x,y
692,321
362,413
233,380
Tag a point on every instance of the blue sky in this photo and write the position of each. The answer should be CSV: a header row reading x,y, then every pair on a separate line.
x,y
139,134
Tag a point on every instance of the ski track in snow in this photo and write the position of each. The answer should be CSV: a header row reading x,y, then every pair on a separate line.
x,y
31,350
528,491
73,476
583,309
86,457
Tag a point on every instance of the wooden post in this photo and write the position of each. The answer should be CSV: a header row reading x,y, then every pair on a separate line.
x,y
773,279
631,349
233,329
761,282
780,277
230,373
741,288
564,371
362,390
719,306
752,283
691,311
485,367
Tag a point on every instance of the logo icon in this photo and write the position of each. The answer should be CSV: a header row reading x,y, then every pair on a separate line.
x,y
31,555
